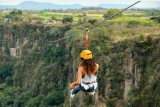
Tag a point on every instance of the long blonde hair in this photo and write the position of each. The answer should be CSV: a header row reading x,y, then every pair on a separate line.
x,y
89,66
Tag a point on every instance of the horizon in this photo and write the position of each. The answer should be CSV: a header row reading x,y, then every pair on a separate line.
x,y
142,4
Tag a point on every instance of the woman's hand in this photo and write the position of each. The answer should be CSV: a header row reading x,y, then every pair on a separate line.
x,y
72,86
79,77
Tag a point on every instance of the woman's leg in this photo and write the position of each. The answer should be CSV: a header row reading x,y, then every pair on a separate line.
x,y
91,90
75,90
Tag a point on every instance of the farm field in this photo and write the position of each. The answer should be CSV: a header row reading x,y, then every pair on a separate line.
x,y
45,15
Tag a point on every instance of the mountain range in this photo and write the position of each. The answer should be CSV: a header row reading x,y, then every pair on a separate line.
x,y
32,5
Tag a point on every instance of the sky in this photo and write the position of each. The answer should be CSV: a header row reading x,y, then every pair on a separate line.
x,y
143,3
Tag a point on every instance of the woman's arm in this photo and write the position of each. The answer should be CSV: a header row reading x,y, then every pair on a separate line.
x,y
79,77
96,70
97,67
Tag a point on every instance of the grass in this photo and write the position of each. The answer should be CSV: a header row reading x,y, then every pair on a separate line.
x,y
142,20
133,13
60,16
59,13
95,15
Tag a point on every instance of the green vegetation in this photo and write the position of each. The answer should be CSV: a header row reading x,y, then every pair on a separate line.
x,y
15,15
92,21
67,20
156,19
111,12
38,72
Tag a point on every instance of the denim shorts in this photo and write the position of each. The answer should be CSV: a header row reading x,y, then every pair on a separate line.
x,y
81,88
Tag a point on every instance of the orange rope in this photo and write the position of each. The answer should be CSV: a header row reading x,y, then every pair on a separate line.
x,y
86,38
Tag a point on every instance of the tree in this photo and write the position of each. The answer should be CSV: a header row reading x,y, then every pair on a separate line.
x,y
92,21
80,18
84,17
19,12
68,19
6,49
111,12
16,18
16,12
15,15
5,70
54,99
8,17
54,18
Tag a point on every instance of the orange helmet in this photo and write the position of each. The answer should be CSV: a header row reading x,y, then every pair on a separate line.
x,y
86,54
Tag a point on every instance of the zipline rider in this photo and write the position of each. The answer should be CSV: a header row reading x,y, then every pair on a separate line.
x,y
87,75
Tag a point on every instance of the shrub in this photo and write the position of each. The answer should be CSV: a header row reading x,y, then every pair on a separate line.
x,y
35,102
112,12
133,23
5,70
21,100
39,22
92,21
54,99
156,19
9,80
111,103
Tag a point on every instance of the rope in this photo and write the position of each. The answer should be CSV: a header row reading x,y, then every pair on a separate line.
x,y
87,38
65,37
97,23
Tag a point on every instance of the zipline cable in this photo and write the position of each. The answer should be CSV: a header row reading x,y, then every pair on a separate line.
x,y
98,23
65,37
114,15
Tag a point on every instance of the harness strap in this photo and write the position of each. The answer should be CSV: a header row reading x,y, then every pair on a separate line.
x,y
89,82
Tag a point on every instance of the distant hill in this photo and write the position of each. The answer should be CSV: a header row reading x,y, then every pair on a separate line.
x,y
40,6
119,6
31,5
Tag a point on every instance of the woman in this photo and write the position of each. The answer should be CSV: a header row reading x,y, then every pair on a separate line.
x,y
87,75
